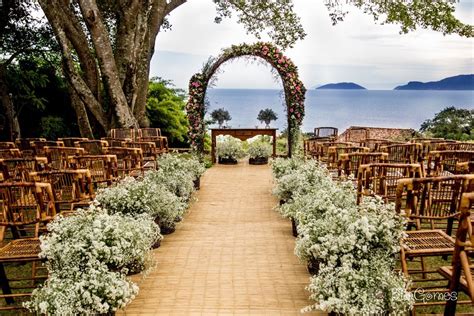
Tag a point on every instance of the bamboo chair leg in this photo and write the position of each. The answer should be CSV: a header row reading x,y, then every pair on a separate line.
x,y
403,260
423,267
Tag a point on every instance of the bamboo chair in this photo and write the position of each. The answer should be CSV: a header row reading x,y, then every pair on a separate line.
x,y
24,205
444,162
375,143
103,168
38,146
18,169
348,164
320,150
24,144
460,273
434,200
10,153
58,156
7,145
150,152
116,142
153,135
434,144
70,141
404,153
92,147
69,186
381,179
335,151
129,160
124,133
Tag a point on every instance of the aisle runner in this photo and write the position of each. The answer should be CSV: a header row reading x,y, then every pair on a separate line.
x,y
232,254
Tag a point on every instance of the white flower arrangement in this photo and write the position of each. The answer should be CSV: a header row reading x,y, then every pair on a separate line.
x,y
283,166
177,181
354,246
119,241
170,163
88,255
230,148
259,149
132,196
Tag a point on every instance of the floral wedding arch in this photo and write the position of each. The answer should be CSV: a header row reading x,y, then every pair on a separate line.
x,y
293,88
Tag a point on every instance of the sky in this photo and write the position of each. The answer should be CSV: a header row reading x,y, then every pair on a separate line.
x,y
356,50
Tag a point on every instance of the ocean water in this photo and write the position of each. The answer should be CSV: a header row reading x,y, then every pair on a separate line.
x,y
340,108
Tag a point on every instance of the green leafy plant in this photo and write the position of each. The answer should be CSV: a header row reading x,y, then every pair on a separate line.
x,y
451,123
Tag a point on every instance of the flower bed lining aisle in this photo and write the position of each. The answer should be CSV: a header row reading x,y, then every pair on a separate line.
x,y
351,247
90,252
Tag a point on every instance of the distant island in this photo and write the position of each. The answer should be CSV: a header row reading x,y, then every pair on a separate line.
x,y
342,86
461,82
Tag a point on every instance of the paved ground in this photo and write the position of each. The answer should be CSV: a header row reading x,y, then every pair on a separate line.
x,y
232,254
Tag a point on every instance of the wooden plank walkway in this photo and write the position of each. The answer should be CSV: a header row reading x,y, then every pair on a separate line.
x,y
232,254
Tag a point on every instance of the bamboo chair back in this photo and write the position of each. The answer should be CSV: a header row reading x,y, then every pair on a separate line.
x,y
25,143
129,160
460,273
469,146
381,179
404,153
7,145
25,205
375,143
103,168
326,132
153,135
348,164
18,169
115,142
38,146
68,186
433,200
442,162
70,141
92,147
334,152
434,144
10,153
124,133
58,156
320,150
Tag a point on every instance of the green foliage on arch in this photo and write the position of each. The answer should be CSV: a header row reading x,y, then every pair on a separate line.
x,y
286,69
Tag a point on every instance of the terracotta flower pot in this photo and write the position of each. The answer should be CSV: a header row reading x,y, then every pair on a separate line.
x,y
258,161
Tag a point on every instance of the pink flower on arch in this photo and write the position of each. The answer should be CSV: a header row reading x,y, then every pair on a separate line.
x,y
195,84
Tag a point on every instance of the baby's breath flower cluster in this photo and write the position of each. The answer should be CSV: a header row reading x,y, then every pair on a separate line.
x,y
164,194
354,246
88,256
230,148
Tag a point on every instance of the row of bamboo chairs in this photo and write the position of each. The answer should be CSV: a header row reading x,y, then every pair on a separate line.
x,y
432,185
40,178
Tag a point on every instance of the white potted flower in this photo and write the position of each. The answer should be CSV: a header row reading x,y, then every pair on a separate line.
x,y
259,151
229,150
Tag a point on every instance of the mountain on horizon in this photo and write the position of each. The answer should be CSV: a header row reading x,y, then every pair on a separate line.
x,y
341,86
460,82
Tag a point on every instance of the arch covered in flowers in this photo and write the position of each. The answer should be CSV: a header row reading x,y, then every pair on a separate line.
x,y
293,88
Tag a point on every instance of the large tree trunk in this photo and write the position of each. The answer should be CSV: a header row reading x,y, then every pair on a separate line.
x,y
11,115
124,70
82,119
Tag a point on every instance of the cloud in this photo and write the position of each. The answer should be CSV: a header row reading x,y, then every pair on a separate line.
x,y
357,49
